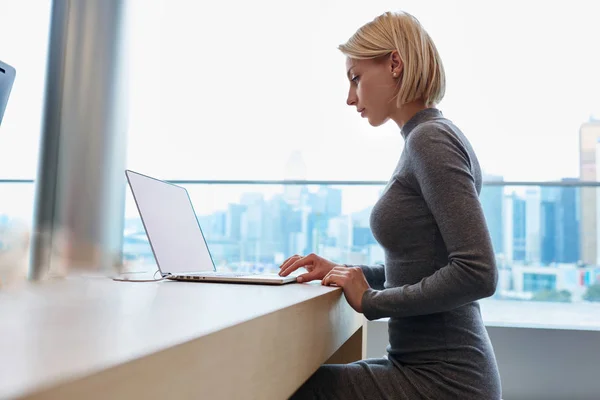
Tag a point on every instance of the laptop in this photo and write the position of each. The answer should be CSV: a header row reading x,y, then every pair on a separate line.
x,y
7,77
178,244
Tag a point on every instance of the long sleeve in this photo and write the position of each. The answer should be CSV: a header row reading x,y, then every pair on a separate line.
x,y
441,172
375,275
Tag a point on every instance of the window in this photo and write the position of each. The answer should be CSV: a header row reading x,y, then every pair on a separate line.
x,y
24,33
24,30
257,90
243,90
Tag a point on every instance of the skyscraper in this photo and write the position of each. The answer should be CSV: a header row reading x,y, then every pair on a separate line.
x,y
252,225
492,202
532,224
568,246
507,229
234,221
589,133
252,220
519,234
333,200
549,225
340,229
559,224
275,237
316,231
362,237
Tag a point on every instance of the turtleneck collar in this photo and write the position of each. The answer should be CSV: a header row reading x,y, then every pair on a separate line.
x,y
425,115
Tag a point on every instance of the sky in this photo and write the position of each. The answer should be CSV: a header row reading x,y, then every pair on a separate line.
x,y
245,86
230,90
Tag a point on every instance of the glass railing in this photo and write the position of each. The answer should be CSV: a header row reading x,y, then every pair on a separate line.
x,y
546,236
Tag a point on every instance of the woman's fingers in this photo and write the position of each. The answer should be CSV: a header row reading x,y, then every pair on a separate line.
x,y
334,278
297,263
336,270
290,259
289,262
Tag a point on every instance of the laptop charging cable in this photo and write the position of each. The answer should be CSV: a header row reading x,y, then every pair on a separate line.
x,y
154,278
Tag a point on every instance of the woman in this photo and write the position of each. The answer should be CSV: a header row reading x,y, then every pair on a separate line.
x,y
438,254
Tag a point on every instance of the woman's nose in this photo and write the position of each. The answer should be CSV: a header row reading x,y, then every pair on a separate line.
x,y
351,100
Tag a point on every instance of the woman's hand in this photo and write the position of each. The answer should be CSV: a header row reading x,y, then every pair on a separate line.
x,y
317,267
352,281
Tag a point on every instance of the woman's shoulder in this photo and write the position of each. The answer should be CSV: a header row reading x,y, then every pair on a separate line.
x,y
436,135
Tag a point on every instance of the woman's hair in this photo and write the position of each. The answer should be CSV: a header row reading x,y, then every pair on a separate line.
x,y
422,76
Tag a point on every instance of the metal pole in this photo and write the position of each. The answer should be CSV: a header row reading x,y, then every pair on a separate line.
x,y
80,192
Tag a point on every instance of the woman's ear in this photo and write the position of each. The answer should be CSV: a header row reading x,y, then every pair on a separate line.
x,y
396,63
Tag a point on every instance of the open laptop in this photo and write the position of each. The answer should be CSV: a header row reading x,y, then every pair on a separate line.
x,y
176,238
7,77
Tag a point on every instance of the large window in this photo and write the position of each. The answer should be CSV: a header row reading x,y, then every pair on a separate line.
x,y
254,227
257,90
24,33
243,90
23,44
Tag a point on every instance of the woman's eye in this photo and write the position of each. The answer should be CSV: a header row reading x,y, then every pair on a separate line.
x,y
355,79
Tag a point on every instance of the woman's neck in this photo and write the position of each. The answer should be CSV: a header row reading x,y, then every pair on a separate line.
x,y
405,112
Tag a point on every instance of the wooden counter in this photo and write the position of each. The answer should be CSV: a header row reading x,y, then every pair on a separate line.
x,y
94,338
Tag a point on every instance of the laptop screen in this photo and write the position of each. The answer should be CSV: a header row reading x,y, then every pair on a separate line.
x,y
7,77
171,225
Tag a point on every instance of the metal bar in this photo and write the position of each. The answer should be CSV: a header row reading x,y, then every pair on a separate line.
x,y
369,183
344,183
28,181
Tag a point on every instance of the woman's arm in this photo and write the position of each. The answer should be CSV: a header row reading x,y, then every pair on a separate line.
x,y
375,274
441,171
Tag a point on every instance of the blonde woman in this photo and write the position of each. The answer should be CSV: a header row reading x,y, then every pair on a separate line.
x,y
438,254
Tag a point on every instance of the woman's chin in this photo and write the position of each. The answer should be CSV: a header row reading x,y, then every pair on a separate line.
x,y
375,122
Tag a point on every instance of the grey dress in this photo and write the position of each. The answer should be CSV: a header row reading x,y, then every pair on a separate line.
x,y
438,262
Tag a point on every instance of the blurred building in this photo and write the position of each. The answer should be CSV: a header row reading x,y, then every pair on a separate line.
x,y
491,198
589,133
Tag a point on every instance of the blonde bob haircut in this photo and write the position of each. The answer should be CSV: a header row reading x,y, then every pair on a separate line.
x,y
422,76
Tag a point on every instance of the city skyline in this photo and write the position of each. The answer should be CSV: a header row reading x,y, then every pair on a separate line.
x,y
535,231
260,232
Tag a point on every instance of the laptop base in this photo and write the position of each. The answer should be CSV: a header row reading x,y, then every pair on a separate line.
x,y
263,279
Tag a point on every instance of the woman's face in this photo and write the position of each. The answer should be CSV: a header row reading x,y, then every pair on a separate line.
x,y
372,88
